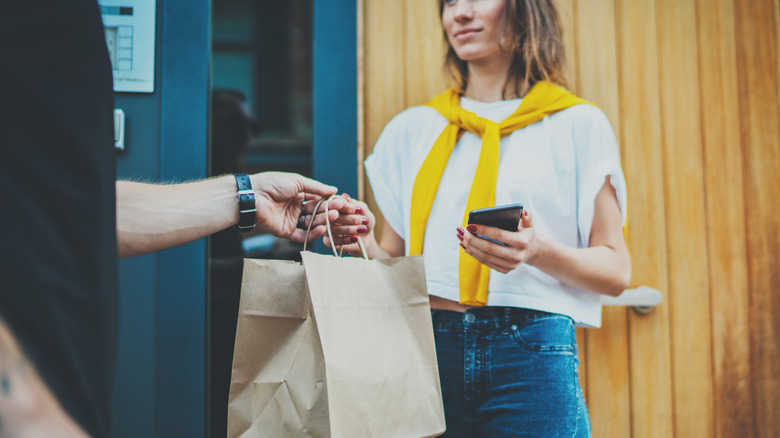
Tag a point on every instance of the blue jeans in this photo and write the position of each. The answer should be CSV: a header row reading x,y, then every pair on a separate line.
x,y
509,372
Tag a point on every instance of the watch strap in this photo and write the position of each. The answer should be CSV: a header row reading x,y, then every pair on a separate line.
x,y
246,202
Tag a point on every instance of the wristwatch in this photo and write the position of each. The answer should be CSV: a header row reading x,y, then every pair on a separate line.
x,y
246,203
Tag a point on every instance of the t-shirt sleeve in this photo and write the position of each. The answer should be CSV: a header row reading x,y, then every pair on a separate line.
x,y
598,157
384,171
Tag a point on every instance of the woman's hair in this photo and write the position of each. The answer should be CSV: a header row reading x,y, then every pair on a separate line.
x,y
534,27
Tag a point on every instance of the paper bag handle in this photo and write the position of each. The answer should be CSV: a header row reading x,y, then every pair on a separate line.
x,y
330,234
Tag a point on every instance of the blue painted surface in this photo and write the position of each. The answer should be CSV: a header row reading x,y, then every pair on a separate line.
x,y
133,410
335,94
181,348
160,387
335,159
134,402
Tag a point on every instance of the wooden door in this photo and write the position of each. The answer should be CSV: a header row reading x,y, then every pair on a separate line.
x,y
692,89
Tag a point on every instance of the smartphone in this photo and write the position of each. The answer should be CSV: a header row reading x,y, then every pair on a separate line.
x,y
507,217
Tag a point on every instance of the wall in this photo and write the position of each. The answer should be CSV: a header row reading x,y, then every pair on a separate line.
x,y
692,88
160,387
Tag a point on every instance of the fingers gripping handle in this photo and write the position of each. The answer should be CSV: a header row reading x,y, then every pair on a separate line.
x,y
329,231
311,222
330,234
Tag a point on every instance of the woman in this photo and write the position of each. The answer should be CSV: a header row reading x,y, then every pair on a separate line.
x,y
503,316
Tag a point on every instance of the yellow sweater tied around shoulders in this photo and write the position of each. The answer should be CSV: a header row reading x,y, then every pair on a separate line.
x,y
542,100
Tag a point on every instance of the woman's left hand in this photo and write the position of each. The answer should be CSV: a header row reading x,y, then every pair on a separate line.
x,y
355,219
521,245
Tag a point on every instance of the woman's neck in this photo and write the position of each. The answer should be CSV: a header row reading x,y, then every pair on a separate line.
x,y
487,79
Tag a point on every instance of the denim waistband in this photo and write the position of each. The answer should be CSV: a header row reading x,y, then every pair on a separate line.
x,y
486,319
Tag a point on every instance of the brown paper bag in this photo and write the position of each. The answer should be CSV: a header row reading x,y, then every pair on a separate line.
x,y
277,387
374,321
335,347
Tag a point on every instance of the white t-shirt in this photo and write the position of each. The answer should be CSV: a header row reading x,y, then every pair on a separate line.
x,y
554,167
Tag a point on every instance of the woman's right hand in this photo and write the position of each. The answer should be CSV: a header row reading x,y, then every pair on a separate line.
x,y
519,247
355,219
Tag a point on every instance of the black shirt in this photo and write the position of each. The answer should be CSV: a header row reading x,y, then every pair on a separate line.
x,y
58,258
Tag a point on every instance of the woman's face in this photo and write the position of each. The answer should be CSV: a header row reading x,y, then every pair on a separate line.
x,y
475,28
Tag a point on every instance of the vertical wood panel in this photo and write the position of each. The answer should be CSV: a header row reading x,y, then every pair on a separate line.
x,y
608,399
567,10
424,51
385,85
607,347
384,66
777,47
596,46
725,219
689,300
649,343
757,64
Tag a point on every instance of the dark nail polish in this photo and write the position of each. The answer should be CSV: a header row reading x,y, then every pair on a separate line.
x,y
461,231
353,239
365,221
460,237
472,228
462,246
361,229
358,210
